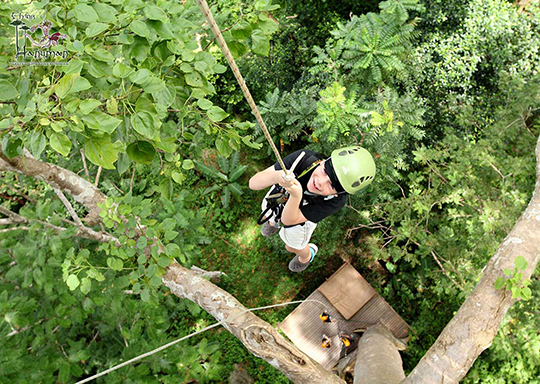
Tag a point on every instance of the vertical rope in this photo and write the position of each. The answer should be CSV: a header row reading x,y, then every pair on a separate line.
x,y
227,53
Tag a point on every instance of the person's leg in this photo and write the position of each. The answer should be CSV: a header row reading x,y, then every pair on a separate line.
x,y
304,255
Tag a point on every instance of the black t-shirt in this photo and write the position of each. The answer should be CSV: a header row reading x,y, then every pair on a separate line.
x,y
314,208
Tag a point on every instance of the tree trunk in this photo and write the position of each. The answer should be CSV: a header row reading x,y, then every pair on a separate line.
x,y
476,323
377,359
259,337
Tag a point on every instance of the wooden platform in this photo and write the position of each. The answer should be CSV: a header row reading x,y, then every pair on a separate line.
x,y
346,292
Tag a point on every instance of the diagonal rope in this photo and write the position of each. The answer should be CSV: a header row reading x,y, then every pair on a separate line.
x,y
227,53
187,337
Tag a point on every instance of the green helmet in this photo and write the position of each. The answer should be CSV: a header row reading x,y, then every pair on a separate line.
x,y
354,167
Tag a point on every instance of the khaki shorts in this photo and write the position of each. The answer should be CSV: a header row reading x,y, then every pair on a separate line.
x,y
297,236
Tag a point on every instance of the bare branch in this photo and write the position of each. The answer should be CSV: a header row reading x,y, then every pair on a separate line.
x,y
84,164
20,228
84,232
22,194
69,207
96,182
7,221
444,270
82,191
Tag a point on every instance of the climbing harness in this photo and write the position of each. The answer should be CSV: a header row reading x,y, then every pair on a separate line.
x,y
279,196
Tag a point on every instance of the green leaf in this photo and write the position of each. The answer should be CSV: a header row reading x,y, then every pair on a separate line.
x,y
115,264
145,295
74,66
64,372
10,147
499,283
101,152
188,164
104,55
164,262
144,124
141,152
226,197
242,30
60,143
170,235
121,70
95,29
139,28
526,293
223,147
88,106
86,285
178,177
507,272
520,263
38,141
204,104
72,282
155,13
194,79
106,13
141,76
101,121
172,250
7,91
64,86
236,189
236,173
81,84
260,43
216,113
516,292
85,13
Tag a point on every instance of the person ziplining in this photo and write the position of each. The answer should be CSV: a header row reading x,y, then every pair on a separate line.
x,y
312,192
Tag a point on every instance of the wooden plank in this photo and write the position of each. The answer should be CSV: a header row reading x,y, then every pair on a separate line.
x,y
338,288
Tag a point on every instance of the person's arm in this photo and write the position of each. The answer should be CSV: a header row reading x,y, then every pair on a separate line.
x,y
266,178
291,214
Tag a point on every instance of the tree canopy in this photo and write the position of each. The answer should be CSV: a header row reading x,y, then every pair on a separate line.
x,y
126,146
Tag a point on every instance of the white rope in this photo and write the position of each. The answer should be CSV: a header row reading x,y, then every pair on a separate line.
x,y
184,338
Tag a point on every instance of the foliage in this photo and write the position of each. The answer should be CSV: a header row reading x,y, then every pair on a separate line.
x,y
514,282
226,180
448,105
371,48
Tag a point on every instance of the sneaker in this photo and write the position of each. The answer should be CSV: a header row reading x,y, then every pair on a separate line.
x,y
268,229
296,266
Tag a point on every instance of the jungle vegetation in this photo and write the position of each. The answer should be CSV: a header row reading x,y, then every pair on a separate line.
x,y
445,94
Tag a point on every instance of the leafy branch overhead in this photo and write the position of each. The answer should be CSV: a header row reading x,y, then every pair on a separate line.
x,y
136,74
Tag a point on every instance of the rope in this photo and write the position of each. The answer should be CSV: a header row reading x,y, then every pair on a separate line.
x,y
227,53
184,338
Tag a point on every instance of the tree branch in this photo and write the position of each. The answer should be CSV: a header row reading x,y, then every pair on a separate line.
x,y
84,232
258,337
476,323
69,207
82,191
84,165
